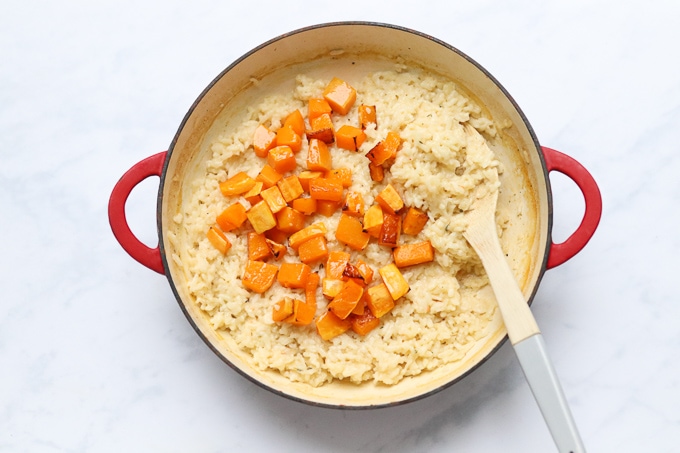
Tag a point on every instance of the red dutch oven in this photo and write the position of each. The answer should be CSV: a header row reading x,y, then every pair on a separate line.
x,y
328,48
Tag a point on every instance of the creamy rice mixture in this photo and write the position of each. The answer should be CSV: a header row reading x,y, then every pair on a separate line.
x,y
436,170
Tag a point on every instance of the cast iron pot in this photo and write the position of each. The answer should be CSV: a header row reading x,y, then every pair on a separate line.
x,y
345,49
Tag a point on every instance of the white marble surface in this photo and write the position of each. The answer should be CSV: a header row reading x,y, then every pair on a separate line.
x,y
95,354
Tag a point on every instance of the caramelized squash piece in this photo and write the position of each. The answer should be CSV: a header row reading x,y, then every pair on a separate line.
x,y
289,220
377,172
342,174
276,235
379,300
345,301
277,249
290,188
307,233
349,137
363,323
263,140
283,309
340,95
411,254
304,311
390,230
354,204
259,276
232,217
414,222
313,250
330,326
307,206
236,185
326,189
257,247
293,275
321,128
282,159
367,115
296,122
218,240
394,280
350,232
261,217
268,176
365,271
273,198
330,287
373,220
317,107
318,156
336,263
390,200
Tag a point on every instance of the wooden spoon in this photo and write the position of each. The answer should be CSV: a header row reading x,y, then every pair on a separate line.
x,y
523,331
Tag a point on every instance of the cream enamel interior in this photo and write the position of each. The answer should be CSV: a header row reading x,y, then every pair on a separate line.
x,y
348,51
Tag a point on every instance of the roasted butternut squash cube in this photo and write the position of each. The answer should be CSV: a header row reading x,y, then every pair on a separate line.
x,y
263,140
268,176
218,240
296,121
232,217
336,262
261,217
327,208
350,232
340,95
342,174
349,137
317,107
253,195
377,172
365,271
290,188
276,235
282,159
307,206
289,220
293,275
390,230
326,189
412,254
394,280
354,204
330,287
363,323
390,200
236,185
392,143
286,136
277,249
414,221
344,302
283,309
259,276
318,156
367,115
307,233
313,250
321,128
330,326
273,198
379,300
373,220
306,176
257,247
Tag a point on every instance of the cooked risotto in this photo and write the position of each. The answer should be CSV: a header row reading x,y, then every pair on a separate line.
x,y
436,170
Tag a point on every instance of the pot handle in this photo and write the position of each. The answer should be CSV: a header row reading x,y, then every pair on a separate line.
x,y
557,161
149,257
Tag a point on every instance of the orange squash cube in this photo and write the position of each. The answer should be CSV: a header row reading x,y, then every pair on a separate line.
x,y
290,188
327,208
340,95
257,247
259,276
342,174
232,217
277,249
317,107
345,301
218,240
321,128
350,232
390,200
349,137
296,122
261,217
283,309
313,250
394,280
367,115
273,198
390,230
236,185
307,233
335,264
377,172
253,195
293,275
318,156
414,222
354,204
330,326
362,324
263,140
289,220
326,189
268,176
379,300
307,206
286,136
330,287
306,176
282,159
412,254
373,220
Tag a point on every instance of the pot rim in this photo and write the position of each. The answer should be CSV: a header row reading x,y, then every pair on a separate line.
x,y
159,218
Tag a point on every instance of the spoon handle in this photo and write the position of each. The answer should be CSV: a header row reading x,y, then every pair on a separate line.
x,y
545,386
